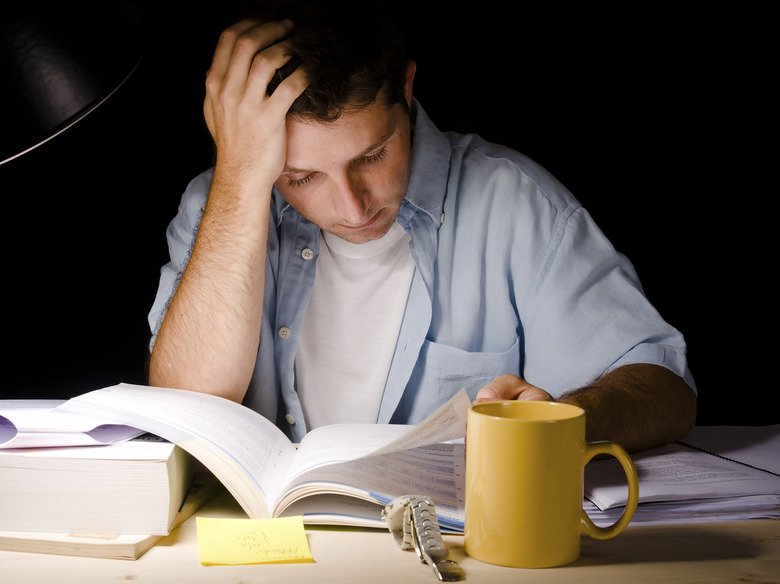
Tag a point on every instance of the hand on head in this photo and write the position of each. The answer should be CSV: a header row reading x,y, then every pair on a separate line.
x,y
247,124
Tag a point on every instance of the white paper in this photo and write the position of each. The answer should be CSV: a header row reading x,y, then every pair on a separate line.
x,y
676,473
757,446
27,423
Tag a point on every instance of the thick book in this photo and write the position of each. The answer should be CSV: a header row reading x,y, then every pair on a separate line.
x,y
114,546
340,474
131,487
716,473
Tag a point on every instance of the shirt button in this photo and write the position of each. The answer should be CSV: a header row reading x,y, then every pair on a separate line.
x,y
307,254
290,419
284,332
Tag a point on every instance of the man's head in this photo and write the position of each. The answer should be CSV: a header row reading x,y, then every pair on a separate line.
x,y
349,133
349,51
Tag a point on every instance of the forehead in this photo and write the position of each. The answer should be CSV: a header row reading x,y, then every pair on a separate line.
x,y
353,134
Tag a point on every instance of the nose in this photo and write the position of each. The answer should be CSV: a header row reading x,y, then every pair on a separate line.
x,y
352,199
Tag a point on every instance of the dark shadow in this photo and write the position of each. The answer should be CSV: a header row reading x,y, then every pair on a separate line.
x,y
668,545
650,545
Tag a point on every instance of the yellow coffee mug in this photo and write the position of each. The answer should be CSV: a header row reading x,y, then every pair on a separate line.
x,y
524,478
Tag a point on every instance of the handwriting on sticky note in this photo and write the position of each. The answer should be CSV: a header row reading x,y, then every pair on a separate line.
x,y
252,541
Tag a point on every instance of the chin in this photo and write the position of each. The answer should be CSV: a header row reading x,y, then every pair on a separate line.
x,y
364,235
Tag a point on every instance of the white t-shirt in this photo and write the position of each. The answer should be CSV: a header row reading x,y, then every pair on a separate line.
x,y
351,327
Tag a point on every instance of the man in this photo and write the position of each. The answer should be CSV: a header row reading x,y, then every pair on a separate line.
x,y
346,256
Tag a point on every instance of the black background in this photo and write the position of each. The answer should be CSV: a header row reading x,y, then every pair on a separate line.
x,y
655,120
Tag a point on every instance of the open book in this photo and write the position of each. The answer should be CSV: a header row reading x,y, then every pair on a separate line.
x,y
340,474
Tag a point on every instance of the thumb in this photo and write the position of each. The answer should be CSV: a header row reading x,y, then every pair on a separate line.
x,y
504,387
508,387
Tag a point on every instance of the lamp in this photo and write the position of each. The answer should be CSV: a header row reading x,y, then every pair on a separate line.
x,y
58,62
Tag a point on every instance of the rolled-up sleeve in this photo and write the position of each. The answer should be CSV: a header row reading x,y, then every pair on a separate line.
x,y
180,235
589,315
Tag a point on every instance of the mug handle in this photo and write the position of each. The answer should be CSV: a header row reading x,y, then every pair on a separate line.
x,y
590,528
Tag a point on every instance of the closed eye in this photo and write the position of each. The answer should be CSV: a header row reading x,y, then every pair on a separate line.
x,y
297,182
368,159
373,157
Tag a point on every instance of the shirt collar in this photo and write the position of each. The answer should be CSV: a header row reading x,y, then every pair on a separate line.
x,y
430,166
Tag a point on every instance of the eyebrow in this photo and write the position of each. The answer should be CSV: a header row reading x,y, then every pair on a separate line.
x,y
375,146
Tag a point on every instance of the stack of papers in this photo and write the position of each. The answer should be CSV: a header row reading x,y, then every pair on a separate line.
x,y
717,473
33,423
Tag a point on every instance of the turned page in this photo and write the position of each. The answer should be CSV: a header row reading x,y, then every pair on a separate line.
x,y
381,462
339,443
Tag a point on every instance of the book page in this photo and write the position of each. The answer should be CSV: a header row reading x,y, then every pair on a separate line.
x,y
336,509
387,460
446,423
245,451
436,470
343,442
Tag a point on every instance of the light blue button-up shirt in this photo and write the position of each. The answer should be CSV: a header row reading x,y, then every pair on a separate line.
x,y
512,276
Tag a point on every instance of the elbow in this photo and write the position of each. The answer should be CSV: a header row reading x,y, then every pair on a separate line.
x,y
688,403
163,372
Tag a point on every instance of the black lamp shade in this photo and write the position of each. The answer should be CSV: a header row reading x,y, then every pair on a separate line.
x,y
59,61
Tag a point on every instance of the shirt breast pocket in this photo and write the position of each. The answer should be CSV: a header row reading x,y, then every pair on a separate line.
x,y
442,370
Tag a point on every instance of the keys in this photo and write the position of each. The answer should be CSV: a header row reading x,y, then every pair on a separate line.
x,y
412,521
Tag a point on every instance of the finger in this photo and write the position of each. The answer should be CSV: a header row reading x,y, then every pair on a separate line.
x,y
508,387
287,92
239,44
235,58
226,44
263,39
265,65
501,388
533,393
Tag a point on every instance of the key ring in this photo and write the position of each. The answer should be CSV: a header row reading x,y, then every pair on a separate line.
x,y
412,521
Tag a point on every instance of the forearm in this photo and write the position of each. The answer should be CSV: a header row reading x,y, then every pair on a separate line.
x,y
638,406
209,338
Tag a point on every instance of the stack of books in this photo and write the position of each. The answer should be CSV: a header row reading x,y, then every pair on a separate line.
x,y
73,485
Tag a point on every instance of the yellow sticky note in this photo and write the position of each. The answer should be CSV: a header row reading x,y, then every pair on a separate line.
x,y
252,541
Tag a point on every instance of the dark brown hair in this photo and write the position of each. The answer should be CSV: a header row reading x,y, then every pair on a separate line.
x,y
349,51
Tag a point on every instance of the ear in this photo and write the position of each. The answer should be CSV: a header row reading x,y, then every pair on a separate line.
x,y
411,69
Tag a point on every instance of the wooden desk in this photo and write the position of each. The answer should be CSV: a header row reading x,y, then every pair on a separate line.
x,y
706,553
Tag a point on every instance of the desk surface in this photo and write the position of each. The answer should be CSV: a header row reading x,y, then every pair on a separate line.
x,y
711,553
